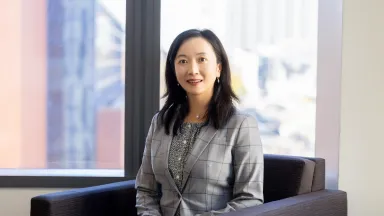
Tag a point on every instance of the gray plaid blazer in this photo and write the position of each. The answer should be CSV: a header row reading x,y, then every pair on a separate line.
x,y
223,172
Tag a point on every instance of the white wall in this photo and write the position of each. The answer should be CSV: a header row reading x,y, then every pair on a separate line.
x,y
362,115
16,202
361,172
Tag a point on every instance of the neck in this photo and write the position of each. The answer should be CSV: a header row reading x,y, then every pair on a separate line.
x,y
197,107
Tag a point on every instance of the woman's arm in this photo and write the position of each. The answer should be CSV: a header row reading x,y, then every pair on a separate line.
x,y
248,164
148,194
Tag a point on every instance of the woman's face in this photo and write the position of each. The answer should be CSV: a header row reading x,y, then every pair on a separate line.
x,y
196,67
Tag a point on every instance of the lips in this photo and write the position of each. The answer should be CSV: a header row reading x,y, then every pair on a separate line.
x,y
194,81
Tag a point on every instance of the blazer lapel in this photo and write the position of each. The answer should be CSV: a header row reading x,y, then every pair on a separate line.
x,y
202,141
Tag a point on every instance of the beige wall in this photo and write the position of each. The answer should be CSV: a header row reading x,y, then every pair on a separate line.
x,y
16,202
362,115
362,107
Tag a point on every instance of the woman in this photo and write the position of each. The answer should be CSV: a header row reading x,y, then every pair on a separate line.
x,y
202,156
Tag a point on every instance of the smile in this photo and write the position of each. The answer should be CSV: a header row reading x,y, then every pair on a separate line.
x,y
194,81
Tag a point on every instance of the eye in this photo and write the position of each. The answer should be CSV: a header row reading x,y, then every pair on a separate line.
x,y
202,59
182,61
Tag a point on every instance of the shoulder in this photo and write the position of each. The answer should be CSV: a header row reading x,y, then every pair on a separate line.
x,y
155,122
155,117
241,119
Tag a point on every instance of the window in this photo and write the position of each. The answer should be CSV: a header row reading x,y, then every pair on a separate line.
x,y
62,81
80,80
272,46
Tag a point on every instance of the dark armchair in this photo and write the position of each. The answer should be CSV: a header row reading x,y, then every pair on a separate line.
x,y
293,186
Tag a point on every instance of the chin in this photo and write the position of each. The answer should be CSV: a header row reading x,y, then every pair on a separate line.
x,y
195,93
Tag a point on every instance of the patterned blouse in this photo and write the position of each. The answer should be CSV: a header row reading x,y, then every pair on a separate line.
x,y
180,147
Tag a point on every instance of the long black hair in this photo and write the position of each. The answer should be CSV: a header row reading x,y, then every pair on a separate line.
x,y
176,108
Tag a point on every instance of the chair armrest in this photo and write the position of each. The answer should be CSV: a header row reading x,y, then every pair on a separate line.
x,y
320,203
109,199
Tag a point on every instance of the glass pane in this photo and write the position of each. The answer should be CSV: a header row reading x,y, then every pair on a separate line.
x,y
62,86
272,46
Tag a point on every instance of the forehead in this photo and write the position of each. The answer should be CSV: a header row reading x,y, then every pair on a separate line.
x,y
195,45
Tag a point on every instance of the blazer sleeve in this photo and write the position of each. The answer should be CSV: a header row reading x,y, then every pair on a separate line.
x,y
248,165
148,192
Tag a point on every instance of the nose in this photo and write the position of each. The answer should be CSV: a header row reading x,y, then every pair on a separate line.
x,y
193,69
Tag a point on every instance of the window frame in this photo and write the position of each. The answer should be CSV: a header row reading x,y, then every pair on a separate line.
x,y
328,100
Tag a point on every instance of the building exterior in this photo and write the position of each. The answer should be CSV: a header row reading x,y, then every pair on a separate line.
x,y
65,93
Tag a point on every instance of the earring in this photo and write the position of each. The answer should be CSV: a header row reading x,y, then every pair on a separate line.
x,y
218,80
178,84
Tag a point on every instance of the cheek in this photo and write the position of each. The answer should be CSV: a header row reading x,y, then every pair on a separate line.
x,y
210,72
180,72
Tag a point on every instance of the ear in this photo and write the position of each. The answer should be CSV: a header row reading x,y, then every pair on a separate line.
x,y
218,69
